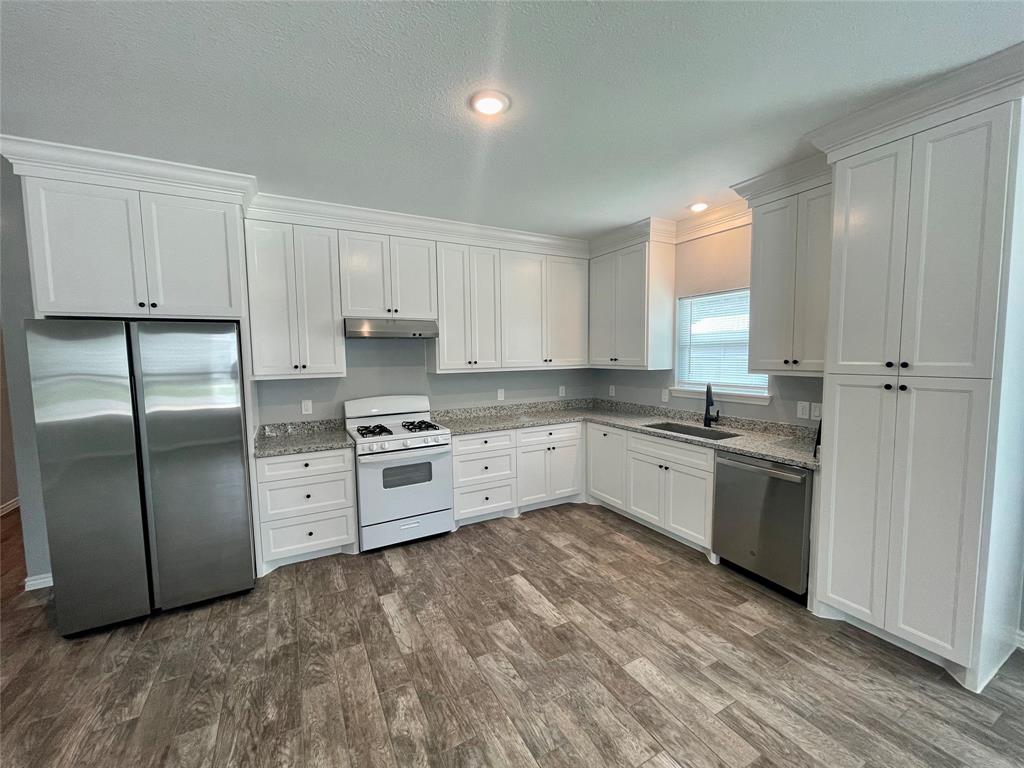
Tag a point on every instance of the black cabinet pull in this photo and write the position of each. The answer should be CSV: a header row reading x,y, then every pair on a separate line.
x,y
153,304
887,386
309,495
142,303
903,387
889,363
306,464
904,364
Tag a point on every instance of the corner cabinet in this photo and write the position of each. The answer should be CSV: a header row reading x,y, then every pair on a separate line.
x,y
295,316
98,250
632,306
388,277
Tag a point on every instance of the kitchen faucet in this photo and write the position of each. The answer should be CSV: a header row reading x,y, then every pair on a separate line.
x,y
709,401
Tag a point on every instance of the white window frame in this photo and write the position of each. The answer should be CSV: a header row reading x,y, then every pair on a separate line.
x,y
721,392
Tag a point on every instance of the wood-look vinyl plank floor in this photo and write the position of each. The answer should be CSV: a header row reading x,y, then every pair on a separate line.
x,y
568,637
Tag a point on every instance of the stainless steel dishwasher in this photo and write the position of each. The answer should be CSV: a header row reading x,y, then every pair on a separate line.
x,y
762,518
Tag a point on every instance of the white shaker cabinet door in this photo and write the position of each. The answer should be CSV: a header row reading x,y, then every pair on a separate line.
x,y
773,285
318,288
869,244
955,245
938,492
688,496
86,248
485,306
631,307
273,314
522,309
365,274
454,341
413,279
564,469
813,259
193,256
603,273
566,313
606,464
857,470
644,480
532,474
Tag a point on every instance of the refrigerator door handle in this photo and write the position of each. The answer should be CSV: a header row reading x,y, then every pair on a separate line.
x,y
135,370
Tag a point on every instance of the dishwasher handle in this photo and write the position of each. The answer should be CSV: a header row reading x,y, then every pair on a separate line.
x,y
778,475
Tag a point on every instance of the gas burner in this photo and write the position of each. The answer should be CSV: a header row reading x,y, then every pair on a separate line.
x,y
376,430
419,426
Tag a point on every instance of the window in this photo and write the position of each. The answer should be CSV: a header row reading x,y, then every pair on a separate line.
x,y
712,344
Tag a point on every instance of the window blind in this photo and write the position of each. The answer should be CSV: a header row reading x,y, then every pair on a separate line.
x,y
713,337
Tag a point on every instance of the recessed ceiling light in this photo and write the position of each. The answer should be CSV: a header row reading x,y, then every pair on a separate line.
x,y
489,102
699,207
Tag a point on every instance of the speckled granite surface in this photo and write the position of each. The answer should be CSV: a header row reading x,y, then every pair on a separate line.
x,y
301,437
789,443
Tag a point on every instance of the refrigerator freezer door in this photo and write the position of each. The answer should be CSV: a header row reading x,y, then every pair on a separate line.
x,y
191,433
85,434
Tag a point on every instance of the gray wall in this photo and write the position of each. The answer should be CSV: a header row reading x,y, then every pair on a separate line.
x,y
15,306
8,478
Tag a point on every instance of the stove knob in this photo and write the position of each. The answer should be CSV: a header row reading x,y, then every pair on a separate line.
x,y
371,448
385,446
408,443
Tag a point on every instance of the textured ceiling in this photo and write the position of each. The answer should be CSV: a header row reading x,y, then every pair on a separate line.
x,y
619,111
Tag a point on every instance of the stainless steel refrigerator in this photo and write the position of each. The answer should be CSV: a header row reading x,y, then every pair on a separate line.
x,y
141,439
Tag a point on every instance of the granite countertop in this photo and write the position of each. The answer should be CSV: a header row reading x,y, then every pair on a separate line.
x,y
301,437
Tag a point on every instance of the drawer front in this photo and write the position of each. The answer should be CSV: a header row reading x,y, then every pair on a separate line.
x,y
290,498
550,434
481,467
694,456
483,441
308,534
395,531
303,465
488,497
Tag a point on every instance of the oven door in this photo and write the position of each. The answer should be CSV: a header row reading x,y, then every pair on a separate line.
x,y
403,484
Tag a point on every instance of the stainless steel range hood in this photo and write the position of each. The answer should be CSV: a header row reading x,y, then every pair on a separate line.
x,y
377,328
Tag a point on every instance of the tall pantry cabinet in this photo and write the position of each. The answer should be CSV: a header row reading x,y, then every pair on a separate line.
x,y
922,502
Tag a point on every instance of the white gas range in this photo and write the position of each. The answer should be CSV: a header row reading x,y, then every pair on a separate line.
x,y
403,469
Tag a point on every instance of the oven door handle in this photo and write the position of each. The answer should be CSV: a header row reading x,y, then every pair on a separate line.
x,y
401,456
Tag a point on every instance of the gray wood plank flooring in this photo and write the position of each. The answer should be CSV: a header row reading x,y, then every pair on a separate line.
x,y
568,637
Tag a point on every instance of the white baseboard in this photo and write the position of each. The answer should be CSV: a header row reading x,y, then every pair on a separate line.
x,y
8,506
41,581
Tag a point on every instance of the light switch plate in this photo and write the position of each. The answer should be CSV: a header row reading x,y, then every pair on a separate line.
x,y
307,407
664,395
803,410
501,394
816,411
611,390
561,390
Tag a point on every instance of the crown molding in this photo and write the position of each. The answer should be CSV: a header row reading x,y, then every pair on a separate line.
x,y
313,213
791,179
718,219
649,230
50,160
984,83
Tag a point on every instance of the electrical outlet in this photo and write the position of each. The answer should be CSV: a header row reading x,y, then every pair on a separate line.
x,y
501,394
561,390
816,411
803,410
611,390
664,395
307,407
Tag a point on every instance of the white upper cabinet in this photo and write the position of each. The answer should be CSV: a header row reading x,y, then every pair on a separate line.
x,y
86,248
193,256
469,316
632,306
773,284
100,250
869,244
485,306
813,262
295,319
958,193
523,299
365,274
413,279
566,311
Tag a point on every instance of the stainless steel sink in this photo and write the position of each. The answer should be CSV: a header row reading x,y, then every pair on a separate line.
x,y
692,430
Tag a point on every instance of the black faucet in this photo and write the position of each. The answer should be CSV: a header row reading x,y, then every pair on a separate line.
x,y
709,401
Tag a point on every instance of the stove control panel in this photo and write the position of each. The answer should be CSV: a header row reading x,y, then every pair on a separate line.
x,y
418,441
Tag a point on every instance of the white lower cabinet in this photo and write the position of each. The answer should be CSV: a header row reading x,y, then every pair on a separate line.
x,y
606,464
532,469
484,498
645,488
688,503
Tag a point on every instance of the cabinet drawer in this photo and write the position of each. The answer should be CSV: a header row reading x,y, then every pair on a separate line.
x,y
396,531
303,465
671,450
488,497
308,534
481,467
483,441
549,434
290,498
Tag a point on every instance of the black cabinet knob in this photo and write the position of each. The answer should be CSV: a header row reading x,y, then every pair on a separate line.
x,y
660,466
487,498
550,433
152,304
785,362
309,495
309,533
306,464
303,365
903,387
469,362
142,303
295,367
887,386
796,362
485,467
553,447
889,363
604,434
485,442
476,362
904,364
387,310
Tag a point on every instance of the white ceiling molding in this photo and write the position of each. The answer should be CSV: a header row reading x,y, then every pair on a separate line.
x,y
294,210
713,221
984,83
646,230
49,160
791,179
